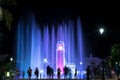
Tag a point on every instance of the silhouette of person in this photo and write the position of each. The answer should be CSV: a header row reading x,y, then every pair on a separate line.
x,y
29,73
75,73
36,72
23,74
52,72
65,72
48,71
58,73
88,73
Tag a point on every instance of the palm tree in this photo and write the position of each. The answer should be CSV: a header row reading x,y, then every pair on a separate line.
x,y
5,15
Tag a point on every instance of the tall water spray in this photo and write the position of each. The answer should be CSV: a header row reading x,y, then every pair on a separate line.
x,y
36,46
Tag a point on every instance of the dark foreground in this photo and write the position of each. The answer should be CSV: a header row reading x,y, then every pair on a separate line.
x,y
52,79
68,79
61,79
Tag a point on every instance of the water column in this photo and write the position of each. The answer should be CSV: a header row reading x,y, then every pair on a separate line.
x,y
80,47
53,48
60,56
34,44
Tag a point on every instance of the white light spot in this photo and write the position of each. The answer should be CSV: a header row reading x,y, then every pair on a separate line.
x,y
80,63
60,47
45,60
8,74
101,30
11,59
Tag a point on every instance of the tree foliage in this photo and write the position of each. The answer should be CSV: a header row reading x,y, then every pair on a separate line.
x,y
115,52
5,14
7,18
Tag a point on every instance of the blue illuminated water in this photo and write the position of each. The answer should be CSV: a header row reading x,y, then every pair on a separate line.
x,y
36,43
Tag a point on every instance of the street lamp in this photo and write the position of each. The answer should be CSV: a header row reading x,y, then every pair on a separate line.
x,y
101,30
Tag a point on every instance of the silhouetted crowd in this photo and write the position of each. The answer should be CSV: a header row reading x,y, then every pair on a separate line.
x,y
49,72
97,72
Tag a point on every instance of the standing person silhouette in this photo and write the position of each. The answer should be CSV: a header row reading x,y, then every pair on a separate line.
x,y
36,73
48,71
88,73
58,73
29,73
23,74
75,73
52,72
65,72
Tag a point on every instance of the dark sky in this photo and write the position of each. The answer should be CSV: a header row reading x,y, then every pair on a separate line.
x,y
91,19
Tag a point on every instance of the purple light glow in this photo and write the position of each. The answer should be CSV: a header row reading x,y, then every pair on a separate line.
x,y
60,56
59,46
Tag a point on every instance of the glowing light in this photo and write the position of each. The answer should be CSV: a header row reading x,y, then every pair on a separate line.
x,y
78,72
8,74
84,72
81,63
101,30
11,59
37,46
60,48
41,71
45,60
60,45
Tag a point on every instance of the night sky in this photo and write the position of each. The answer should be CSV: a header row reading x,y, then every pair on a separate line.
x,y
98,45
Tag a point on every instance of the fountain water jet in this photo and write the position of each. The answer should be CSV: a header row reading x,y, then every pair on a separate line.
x,y
34,44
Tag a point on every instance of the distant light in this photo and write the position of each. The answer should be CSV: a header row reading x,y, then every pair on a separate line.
x,y
11,59
101,30
78,72
41,71
45,60
8,74
60,47
116,63
55,72
81,63
84,72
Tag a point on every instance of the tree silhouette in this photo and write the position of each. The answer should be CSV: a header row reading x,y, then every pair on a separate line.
x,y
5,14
115,51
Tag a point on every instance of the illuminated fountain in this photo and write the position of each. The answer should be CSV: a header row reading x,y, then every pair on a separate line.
x,y
34,44
60,56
